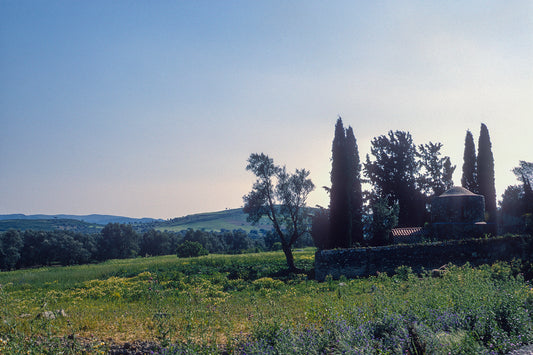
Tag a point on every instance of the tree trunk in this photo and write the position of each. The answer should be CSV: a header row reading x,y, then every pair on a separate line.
x,y
290,258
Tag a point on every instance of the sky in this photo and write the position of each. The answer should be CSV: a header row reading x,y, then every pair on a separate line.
x,y
151,108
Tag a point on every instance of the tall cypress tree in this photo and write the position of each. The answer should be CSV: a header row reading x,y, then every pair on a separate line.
x,y
355,190
528,196
485,175
339,215
469,179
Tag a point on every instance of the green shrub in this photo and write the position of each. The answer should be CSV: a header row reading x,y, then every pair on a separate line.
x,y
190,249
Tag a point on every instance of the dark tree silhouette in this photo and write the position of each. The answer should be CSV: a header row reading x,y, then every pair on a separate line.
x,y
155,243
384,218
339,215
469,178
393,173
11,244
320,229
524,172
512,203
346,201
355,190
118,241
281,197
436,171
485,175
447,173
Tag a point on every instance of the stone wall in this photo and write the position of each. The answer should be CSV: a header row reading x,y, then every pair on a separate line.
x,y
362,262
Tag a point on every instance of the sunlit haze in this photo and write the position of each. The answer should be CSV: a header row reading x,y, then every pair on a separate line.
x,y
151,108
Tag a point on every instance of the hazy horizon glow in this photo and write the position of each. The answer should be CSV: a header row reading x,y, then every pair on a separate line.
x,y
151,109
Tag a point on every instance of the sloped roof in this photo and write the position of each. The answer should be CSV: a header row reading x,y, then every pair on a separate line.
x,y
404,232
458,191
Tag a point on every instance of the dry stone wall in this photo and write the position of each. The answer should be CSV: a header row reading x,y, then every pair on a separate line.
x,y
362,262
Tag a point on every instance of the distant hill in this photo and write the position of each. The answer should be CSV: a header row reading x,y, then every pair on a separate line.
x,y
213,221
92,218
50,225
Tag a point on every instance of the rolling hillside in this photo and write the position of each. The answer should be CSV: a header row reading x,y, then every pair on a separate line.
x,y
210,221
91,218
50,225
213,221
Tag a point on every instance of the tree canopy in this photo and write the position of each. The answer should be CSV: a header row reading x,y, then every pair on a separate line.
x,y
393,173
524,172
436,172
282,198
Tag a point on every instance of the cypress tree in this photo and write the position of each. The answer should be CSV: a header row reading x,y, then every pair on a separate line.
x,y
355,190
339,216
485,175
469,179
528,196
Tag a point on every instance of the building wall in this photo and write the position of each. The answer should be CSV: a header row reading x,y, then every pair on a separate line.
x,y
363,262
455,217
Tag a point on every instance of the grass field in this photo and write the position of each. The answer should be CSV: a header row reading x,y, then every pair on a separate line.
x,y
247,304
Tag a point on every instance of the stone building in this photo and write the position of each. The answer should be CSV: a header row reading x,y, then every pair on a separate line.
x,y
458,214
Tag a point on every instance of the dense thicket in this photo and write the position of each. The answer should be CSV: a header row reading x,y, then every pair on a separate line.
x,y
118,241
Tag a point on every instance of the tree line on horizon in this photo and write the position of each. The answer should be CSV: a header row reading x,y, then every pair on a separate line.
x,y
120,241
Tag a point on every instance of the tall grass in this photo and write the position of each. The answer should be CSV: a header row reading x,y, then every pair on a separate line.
x,y
248,304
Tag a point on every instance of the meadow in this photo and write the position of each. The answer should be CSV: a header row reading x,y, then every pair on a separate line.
x,y
247,304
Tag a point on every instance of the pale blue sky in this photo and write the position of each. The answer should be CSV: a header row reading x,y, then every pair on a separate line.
x,y
151,108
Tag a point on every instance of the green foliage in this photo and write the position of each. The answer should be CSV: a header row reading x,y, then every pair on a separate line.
x,y
485,174
189,249
155,243
320,230
524,172
339,206
10,247
48,225
202,306
346,201
384,218
118,241
41,248
354,188
469,178
435,172
393,173
282,198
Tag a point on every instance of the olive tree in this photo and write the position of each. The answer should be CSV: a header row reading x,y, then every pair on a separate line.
x,y
281,197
